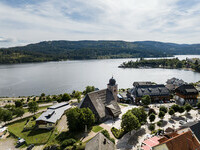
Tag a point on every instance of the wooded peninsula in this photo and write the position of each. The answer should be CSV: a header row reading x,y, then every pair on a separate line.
x,y
174,63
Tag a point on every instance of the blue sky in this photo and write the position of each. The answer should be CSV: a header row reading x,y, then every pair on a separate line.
x,y
30,21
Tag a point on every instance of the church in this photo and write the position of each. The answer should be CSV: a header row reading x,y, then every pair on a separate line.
x,y
103,103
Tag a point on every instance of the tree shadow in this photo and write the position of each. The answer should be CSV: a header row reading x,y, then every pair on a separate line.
x,y
38,131
130,140
188,116
171,121
135,137
164,123
178,118
75,135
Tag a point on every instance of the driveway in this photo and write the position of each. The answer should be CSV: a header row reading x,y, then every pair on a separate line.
x,y
8,144
62,124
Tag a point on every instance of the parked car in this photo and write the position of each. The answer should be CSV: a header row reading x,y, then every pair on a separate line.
x,y
30,147
20,142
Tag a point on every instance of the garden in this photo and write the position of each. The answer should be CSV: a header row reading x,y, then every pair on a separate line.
x,y
32,136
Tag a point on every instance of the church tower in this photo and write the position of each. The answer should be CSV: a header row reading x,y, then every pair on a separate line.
x,y
113,87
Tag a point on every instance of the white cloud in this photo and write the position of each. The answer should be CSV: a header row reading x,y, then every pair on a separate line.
x,y
132,20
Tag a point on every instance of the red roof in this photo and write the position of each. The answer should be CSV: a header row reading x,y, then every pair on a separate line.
x,y
151,143
184,141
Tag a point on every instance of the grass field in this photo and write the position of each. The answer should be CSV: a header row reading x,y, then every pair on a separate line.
x,y
40,108
32,136
96,129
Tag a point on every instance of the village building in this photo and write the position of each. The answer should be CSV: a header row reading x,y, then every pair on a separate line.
x,y
195,128
179,140
186,93
174,83
103,103
123,98
49,118
100,142
157,92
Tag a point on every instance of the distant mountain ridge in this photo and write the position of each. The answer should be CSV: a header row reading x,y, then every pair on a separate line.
x,y
72,50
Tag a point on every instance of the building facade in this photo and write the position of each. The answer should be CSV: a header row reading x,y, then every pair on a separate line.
x,y
186,93
157,92
103,103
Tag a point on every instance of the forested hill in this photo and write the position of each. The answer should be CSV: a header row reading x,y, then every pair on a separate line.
x,y
64,50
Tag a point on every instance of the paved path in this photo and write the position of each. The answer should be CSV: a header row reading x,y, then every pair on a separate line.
x,y
62,124
92,134
108,128
89,136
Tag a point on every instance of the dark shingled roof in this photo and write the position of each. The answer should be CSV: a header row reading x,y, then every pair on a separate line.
x,y
152,90
196,130
141,83
100,142
187,89
101,102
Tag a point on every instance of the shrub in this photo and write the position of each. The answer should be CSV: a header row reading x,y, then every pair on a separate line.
x,y
151,111
159,131
152,117
161,114
188,107
171,111
146,100
181,109
159,123
106,134
112,140
163,108
117,133
152,127
68,142
175,107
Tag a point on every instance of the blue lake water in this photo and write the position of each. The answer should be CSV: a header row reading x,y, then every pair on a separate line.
x,y
66,76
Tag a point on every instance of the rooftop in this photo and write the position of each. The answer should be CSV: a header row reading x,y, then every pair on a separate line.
x,y
182,141
100,142
58,105
52,115
152,90
186,89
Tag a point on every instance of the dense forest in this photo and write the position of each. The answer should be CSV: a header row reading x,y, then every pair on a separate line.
x,y
174,63
77,50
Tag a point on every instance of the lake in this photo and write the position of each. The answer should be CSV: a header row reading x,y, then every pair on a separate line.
x,y
66,76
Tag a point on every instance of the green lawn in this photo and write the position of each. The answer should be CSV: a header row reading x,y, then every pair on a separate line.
x,y
40,108
32,136
96,129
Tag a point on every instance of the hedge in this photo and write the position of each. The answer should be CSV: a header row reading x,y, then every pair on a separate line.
x,y
117,133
